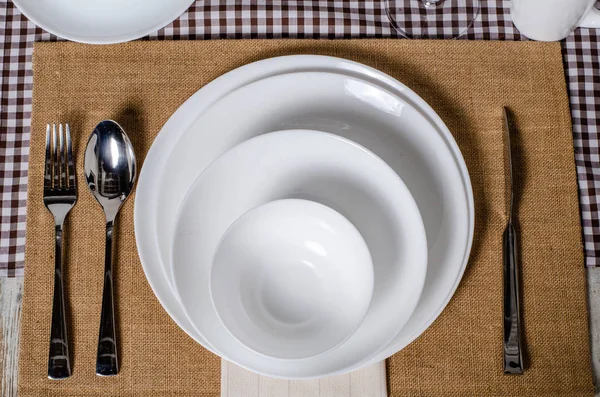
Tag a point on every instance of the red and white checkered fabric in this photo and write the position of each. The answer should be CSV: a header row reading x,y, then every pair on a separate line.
x,y
283,18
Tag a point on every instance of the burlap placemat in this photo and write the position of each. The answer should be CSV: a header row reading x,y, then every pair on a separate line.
x,y
141,84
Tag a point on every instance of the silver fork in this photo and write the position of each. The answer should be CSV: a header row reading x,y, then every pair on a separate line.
x,y
60,195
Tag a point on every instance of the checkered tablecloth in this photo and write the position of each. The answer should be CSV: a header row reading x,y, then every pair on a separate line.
x,y
284,18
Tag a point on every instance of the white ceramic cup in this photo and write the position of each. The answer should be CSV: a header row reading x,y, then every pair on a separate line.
x,y
553,20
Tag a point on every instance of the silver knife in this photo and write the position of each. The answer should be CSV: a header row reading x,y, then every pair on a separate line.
x,y
513,342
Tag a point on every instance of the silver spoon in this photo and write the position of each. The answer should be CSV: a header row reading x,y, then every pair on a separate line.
x,y
110,171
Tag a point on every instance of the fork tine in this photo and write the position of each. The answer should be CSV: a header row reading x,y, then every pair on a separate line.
x,y
63,164
70,162
48,162
56,169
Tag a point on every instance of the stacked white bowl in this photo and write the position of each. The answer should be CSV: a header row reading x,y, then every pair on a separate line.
x,y
278,257
292,279
217,161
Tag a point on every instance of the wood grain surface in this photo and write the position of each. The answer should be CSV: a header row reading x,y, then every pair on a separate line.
x,y
366,382
11,291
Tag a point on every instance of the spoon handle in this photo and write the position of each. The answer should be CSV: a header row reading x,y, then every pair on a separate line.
x,y
107,363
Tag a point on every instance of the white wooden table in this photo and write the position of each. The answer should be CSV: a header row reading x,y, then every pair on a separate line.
x,y
11,292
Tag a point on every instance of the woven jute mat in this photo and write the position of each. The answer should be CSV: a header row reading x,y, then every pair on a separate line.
x,y
141,84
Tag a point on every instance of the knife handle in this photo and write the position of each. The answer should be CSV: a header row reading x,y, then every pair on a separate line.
x,y
513,347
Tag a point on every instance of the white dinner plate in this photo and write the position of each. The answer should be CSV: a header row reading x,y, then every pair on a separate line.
x,y
444,274
347,106
102,21
315,166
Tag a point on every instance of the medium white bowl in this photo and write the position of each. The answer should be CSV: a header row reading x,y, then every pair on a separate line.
x,y
292,279
313,166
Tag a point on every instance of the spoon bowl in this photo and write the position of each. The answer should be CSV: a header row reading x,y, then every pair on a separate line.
x,y
110,166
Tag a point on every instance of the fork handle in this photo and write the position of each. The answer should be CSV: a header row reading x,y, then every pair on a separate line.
x,y
107,363
513,343
59,365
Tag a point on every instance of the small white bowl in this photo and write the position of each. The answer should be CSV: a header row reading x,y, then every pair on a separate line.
x,y
291,279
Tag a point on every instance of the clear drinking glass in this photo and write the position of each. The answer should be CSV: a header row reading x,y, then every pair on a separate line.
x,y
432,19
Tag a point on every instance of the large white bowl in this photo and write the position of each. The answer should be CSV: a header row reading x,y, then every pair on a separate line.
x,y
102,21
432,148
291,279
332,171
